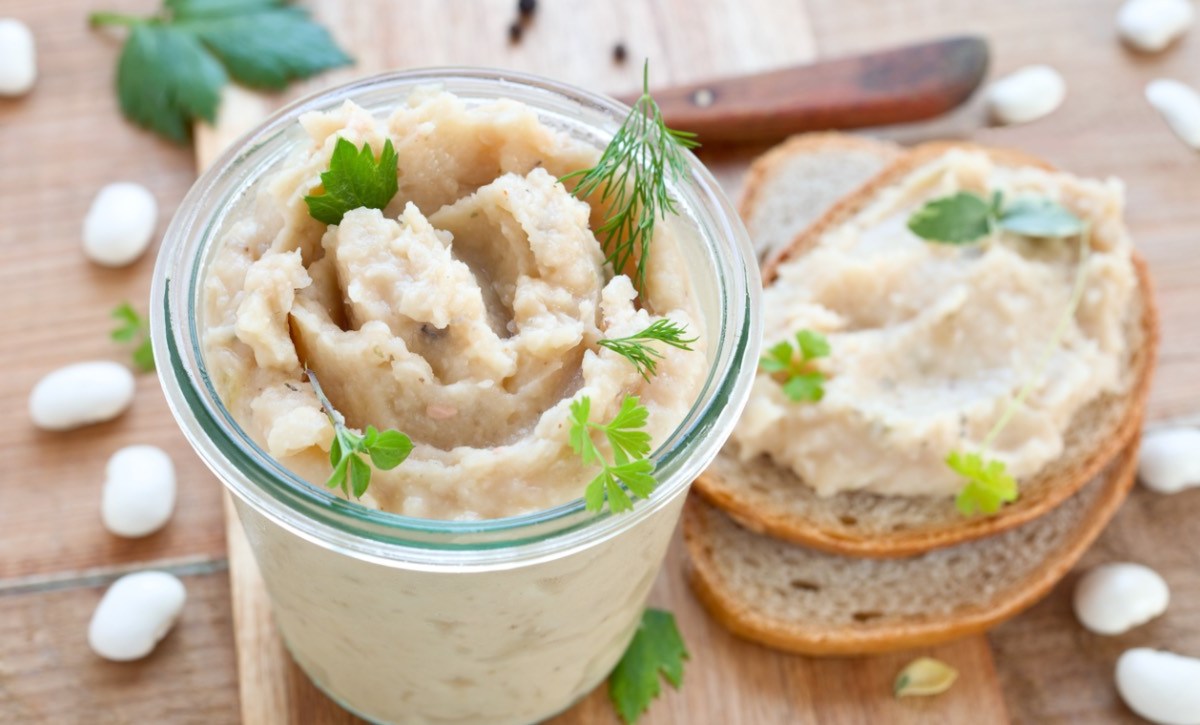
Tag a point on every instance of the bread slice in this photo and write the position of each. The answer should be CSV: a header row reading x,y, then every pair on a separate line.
x,y
770,499
796,182
798,599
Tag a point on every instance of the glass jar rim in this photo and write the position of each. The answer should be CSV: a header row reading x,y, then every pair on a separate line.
x,y
233,455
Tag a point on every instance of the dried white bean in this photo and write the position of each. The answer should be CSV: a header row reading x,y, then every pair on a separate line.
x,y
1114,598
1162,687
1179,105
1151,25
1027,94
18,58
119,225
135,613
139,491
81,394
1170,459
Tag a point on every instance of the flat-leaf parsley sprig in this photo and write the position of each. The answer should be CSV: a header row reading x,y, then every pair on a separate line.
x,y
386,449
175,63
966,217
657,650
632,177
637,350
963,218
801,380
354,180
133,329
630,447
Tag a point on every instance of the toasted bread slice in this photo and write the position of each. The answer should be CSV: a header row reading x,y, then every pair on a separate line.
x,y
799,599
772,500
793,184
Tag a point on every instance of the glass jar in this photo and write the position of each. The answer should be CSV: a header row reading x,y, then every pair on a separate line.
x,y
402,619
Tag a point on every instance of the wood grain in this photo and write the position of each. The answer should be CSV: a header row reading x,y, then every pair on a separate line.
x,y
66,139
48,674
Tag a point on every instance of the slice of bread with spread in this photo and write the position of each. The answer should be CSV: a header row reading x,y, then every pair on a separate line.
x,y
793,184
798,599
766,497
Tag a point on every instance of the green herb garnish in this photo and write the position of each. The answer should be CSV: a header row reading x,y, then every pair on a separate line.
x,y
386,449
801,381
133,329
175,63
630,446
644,357
963,218
632,175
657,650
355,180
966,217
988,485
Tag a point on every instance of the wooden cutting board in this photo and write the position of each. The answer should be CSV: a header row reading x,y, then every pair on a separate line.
x,y
727,680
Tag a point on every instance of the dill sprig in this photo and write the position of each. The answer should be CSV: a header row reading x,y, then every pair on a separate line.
x,y
632,176
645,358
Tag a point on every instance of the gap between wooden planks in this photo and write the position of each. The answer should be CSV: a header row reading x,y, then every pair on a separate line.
x,y
729,681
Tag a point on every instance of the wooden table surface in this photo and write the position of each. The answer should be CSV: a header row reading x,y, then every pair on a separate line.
x,y
62,142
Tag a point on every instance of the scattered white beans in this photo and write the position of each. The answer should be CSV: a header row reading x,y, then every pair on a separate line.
x,y
139,491
81,394
18,58
119,225
1027,94
135,613
1179,105
1115,598
1151,25
1170,459
1162,687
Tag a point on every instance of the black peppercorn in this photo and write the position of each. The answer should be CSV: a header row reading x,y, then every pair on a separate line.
x,y
619,53
514,33
526,8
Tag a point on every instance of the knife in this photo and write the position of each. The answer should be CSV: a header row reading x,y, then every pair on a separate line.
x,y
911,83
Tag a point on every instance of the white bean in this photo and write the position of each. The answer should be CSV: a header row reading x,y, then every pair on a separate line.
x,y
1162,687
1151,25
1170,459
119,225
81,394
1179,105
1114,598
135,613
1027,94
18,58
139,491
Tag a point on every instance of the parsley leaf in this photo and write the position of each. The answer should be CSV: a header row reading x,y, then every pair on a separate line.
x,y
1038,217
657,650
355,180
265,48
988,485
386,449
965,217
132,328
960,218
644,357
630,446
801,382
166,80
175,63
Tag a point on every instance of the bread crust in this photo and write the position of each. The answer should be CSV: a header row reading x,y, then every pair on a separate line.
x,y
740,617
765,166
744,508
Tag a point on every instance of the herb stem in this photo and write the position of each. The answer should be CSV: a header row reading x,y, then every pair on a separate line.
x,y
1018,400
100,19
332,412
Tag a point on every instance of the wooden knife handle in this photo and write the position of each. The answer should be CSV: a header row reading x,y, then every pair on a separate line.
x,y
912,83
